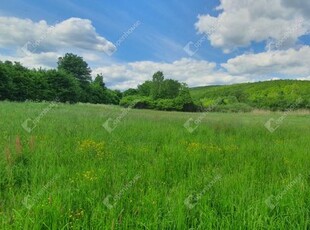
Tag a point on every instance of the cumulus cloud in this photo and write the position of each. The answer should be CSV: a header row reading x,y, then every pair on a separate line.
x,y
243,68
239,23
287,62
193,72
45,60
304,78
39,44
37,37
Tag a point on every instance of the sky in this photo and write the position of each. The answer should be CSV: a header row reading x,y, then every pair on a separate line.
x,y
200,42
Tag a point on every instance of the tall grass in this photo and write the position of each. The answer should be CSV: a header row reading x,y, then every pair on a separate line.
x,y
150,172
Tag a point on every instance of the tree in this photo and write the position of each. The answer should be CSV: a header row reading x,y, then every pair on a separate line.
x,y
99,81
118,93
5,83
21,87
130,92
184,100
113,96
171,89
157,85
145,88
41,89
63,86
76,66
161,94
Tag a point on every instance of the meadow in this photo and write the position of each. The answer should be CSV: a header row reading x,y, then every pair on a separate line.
x,y
63,170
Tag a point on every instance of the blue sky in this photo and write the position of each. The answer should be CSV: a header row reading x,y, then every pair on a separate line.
x,y
236,49
162,22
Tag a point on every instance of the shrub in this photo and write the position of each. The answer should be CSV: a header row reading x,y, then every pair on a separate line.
x,y
234,108
136,101
166,104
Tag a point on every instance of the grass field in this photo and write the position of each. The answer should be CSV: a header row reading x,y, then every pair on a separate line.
x,y
149,172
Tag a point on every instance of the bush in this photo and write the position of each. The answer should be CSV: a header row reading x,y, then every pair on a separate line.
x,y
166,104
139,102
144,103
230,100
234,108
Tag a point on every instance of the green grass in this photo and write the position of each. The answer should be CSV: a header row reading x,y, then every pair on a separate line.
x,y
149,166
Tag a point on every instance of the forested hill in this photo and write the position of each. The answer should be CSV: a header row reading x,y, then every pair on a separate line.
x,y
275,95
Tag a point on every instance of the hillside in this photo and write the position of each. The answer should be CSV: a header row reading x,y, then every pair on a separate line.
x,y
275,95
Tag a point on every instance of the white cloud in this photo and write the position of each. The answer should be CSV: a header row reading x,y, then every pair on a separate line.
x,y
286,62
41,37
241,22
190,71
238,25
304,78
36,60
48,60
243,68
39,44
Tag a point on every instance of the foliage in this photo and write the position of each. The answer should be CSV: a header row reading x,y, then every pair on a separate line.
x,y
157,85
160,94
272,95
232,108
145,88
130,92
99,81
71,82
76,66
136,101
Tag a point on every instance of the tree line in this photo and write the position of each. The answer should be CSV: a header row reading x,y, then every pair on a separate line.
x,y
72,82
